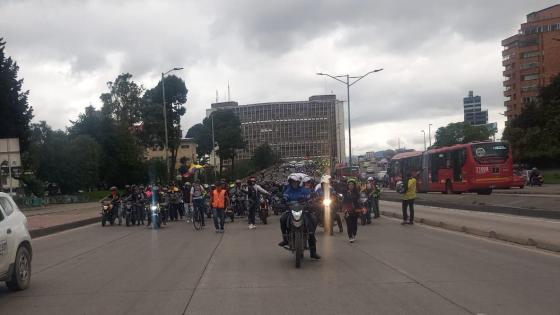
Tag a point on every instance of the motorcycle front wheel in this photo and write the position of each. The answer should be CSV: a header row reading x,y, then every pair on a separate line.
x,y
298,249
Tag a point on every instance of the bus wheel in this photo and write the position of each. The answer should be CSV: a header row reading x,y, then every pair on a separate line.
x,y
448,187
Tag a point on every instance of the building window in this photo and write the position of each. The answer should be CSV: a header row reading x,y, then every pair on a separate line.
x,y
527,88
530,65
531,77
530,54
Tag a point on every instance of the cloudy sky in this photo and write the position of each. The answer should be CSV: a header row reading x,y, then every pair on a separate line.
x,y
433,53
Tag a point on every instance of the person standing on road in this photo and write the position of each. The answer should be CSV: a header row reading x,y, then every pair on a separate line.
x,y
351,206
187,204
197,199
219,200
253,196
408,198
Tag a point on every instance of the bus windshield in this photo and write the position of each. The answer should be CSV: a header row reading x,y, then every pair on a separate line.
x,y
495,152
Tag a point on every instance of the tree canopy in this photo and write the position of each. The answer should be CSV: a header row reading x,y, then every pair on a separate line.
x,y
535,133
461,132
227,133
264,156
202,135
15,112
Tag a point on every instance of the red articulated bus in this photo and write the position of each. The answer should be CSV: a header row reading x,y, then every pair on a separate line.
x,y
471,167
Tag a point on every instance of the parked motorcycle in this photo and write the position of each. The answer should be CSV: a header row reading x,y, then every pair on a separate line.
x,y
108,213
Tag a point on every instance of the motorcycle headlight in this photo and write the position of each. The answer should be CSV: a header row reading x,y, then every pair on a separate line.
x,y
153,208
327,202
105,207
297,215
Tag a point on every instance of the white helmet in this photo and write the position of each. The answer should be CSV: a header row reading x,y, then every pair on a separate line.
x,y
326,179
370,179
294,177
305,178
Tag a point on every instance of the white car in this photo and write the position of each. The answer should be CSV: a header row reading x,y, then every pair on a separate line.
x,y
15,245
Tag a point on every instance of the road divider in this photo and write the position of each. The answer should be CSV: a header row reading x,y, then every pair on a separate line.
x,y
498,227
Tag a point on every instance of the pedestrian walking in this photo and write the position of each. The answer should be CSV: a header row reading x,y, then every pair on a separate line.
x,y
351,208
219,200
409,190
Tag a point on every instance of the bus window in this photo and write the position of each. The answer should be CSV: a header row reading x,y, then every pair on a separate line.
x,y
436,163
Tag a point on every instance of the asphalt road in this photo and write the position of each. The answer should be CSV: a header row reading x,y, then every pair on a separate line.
x,y
391,269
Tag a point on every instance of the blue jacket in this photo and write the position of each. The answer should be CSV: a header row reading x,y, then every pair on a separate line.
x,y
291,194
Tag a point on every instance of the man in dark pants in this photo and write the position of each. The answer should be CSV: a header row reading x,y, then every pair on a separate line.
x,y
409,186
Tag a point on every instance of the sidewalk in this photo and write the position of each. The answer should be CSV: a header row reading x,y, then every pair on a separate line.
x,y
56,218
541,233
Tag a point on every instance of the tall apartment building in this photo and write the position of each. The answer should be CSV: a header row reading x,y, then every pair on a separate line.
x,y
472,108
295,130
531,58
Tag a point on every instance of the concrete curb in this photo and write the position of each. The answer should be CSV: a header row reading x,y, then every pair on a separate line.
x,y
479,232
62,227
536,213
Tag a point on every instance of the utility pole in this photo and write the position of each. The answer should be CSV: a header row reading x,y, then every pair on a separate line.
x,y
430,134
348,85
422,131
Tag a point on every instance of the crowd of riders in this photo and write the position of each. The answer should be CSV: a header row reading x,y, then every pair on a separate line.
x,y
351,199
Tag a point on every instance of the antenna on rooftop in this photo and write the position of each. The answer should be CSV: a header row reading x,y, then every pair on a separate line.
x,y
228,95
217,99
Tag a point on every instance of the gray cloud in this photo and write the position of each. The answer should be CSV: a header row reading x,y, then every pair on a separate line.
x,y
433,52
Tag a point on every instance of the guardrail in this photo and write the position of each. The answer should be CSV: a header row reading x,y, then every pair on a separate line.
x,y
27,202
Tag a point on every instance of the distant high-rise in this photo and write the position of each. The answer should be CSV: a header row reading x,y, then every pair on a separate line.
x,y
473,113
531,59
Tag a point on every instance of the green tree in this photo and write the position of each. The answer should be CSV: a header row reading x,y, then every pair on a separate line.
x,y
123,101
153,133
15,112
122,155
202,135
264,156
535,133
71,163
227,133
461,132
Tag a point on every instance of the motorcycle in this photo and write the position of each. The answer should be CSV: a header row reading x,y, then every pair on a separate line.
x,y
365,216
164,212
154,216
536,180
107,213
297,236
263,209
277,206
230,213
330,206
130,213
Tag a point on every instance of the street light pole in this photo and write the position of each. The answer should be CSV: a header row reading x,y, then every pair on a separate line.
x,y
166,148
213,145
424,139
348,85
430,134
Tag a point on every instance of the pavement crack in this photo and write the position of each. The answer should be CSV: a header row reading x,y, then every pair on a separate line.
x,y
202,273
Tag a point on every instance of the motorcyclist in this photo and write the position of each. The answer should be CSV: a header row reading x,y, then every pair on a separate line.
x,y
372,192
534,177
114,198
253,195
319,193
294,192
239,194
188,206
140,201
197,198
